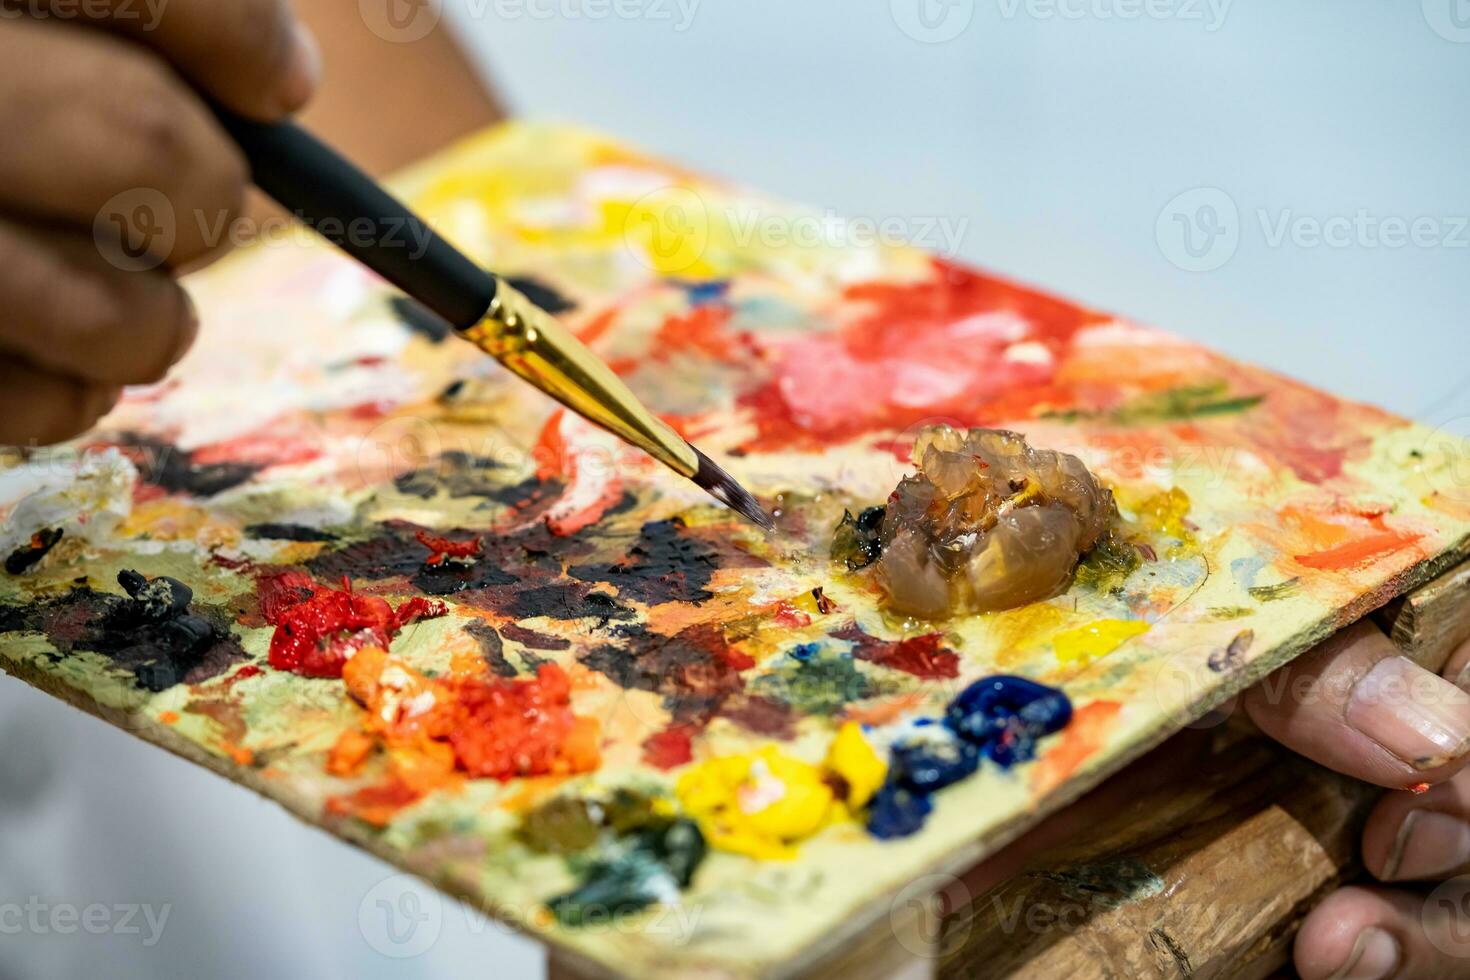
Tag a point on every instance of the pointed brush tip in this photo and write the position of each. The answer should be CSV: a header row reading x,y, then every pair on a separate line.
x,y
722,487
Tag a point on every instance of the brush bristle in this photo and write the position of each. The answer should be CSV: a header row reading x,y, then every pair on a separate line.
x,y
722,487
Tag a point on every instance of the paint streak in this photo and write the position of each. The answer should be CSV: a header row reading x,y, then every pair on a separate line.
x,y
165,468
696,670
1361,551
532,639
25,557
935,348
288,532
921,656
1233,656
1083,738
592,485
1095,640
670,748
665,564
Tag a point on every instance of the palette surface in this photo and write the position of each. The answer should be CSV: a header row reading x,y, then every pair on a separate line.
x,y
377,577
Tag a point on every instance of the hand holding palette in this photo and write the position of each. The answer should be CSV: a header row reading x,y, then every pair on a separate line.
x,y
364,572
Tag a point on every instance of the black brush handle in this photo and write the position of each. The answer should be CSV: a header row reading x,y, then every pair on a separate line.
x,y
352,211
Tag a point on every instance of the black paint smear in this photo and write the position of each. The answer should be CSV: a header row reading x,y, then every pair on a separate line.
x,y
544,296
157,632
28,554
459,474
689,669
663,565
289,532
492,650
1231,658
533,640
565,601
396,551
173,469
421,320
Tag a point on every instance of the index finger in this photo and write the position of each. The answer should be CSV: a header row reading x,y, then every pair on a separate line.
x,y
252,56
1357,706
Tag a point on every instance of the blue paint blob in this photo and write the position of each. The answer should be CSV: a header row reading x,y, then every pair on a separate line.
x,y
897,812
805,651
928,764
707,293
1006,715
1000,718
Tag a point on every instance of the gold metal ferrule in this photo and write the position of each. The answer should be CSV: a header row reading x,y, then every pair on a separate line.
x,y
533,344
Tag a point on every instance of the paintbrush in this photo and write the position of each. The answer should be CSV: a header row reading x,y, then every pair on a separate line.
x,y
352,211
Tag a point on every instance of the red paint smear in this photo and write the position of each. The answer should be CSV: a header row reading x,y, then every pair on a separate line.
x,y
789,616
557,459
1083,736
702,330
375,804
446,549
734,658
918,655
1357,552
368,411
670,748
315,635
257,449
762,716
550,451
598,325
921,350
244,673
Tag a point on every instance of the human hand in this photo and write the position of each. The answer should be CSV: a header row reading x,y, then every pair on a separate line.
x,y
101,105
1355,705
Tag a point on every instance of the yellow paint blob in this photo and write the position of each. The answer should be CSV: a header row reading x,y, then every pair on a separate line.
x,y
1087,643
758,804
1166,513
862,768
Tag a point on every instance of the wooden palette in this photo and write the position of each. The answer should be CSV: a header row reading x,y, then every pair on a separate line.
x,y
319,425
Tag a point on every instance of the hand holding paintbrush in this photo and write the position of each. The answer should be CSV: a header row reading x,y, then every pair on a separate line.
x,y
95,309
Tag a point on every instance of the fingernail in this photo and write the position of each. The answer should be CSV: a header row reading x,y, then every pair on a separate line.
x,y
1375,955
1429,845
304,70
1418,716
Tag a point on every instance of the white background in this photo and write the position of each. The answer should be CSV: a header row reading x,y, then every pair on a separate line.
x,y
1058,141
